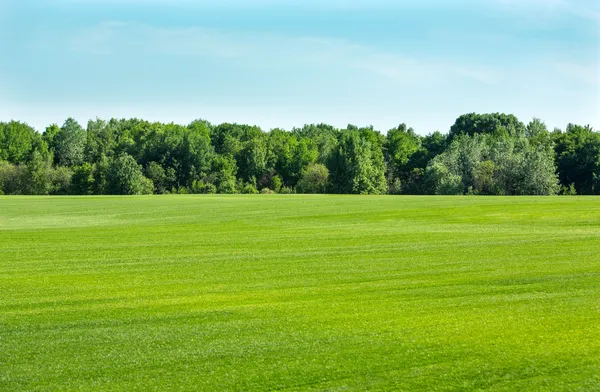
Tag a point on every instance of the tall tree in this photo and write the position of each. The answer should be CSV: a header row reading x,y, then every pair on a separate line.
x,y
578,158
358,166
499,123
17,141
401,146
125,177
68,143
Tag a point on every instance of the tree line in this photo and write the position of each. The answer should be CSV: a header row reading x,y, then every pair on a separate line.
x,y
483,154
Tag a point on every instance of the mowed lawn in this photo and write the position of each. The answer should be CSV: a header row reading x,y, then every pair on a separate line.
x,y
270,292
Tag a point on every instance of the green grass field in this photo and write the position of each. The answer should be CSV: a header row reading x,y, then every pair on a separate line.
x,y
299,293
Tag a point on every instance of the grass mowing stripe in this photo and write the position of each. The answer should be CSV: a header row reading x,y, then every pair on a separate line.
x,y
299,293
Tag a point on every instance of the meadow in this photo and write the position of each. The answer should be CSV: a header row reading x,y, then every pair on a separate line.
x,y
289,292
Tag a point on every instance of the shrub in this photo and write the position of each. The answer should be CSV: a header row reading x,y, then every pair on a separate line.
x,y
249,189
201,187
276,183
314,179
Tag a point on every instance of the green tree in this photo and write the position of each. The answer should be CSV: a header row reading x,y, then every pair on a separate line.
x,y
82,182
68,144
539,136
441,180
499,123
101,140
61,178
577,151
50,134
402,144
358,166
252,159
13,178
125,177
17,141
315,179
324,136
484,178
276,183
157,174
223,174
39,172
540,177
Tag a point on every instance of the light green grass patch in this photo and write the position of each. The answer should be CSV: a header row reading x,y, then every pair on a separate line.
x,y
299,293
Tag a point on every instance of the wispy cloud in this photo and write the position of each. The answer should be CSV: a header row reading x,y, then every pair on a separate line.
x,y
271,51
383,61
586,9
583,73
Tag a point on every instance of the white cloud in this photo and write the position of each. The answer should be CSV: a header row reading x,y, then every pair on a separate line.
x,y
265,50
586,9
583,73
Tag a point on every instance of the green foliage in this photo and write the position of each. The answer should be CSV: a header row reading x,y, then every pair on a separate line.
x,y
492,164
499,124
324,136
315,179
68,143
157,174
223,174
490,154
252,159
276,183
61,181
39,172
248,188
17,141
201,187
101,170
538,135
50,134
568,190
402,147
484,178
82,182
540,177
442,181
13,178
357,166
578,158
125,177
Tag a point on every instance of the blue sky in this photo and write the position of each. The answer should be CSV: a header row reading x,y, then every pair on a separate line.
x,y
287,63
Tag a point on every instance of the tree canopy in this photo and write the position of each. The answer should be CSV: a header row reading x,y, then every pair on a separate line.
x,y
484,154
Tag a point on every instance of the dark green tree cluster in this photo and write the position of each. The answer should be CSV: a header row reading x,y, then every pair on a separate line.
x,y
485,154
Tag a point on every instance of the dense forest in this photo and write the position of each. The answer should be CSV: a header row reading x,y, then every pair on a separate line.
x,y
483,154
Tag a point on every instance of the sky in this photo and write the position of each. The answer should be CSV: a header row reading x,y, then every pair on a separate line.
x,y
286,63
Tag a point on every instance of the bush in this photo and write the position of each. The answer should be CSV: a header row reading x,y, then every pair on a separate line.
x,y
276,183
266,191
314,179
201,187
13,178
286,190
249,189
147,187
569,191
125,177
441,181
82,181
61,181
